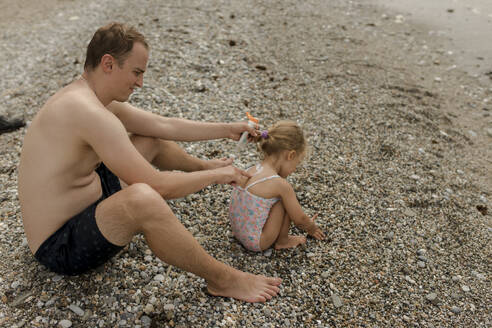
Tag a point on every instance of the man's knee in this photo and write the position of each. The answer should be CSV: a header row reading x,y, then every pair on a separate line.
x,y
143,142
147,206
141,196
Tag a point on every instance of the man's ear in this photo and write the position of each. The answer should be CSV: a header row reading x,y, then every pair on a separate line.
x,y
291,155
107,62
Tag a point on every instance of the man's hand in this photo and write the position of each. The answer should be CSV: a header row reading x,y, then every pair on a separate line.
x,y
231,175
236,129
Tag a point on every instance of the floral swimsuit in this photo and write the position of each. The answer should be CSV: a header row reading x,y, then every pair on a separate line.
x,y
248,214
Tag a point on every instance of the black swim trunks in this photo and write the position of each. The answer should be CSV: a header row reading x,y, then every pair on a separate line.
x,y
78,245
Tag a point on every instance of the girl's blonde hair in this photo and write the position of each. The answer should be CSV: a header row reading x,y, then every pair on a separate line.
x,y
283,135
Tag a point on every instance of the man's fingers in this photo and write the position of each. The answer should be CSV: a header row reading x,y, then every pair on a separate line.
x,y
254,131
244,173
227,160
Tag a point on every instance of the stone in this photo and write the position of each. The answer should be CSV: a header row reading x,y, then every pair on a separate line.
x,y
146,321
57,278
149,308
408,212
489,132
159,278
431,297
337,301
65,323
77,310
455,309
169,307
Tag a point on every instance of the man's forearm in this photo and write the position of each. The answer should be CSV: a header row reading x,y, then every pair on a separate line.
x,y
187,130
171,185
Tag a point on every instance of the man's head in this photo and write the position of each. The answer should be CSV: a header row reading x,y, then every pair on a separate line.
x,y
114,39
118,55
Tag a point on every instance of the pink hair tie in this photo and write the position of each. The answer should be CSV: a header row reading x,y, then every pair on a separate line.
x,y
264,134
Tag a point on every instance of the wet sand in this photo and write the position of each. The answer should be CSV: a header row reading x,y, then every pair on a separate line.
x,y
467,25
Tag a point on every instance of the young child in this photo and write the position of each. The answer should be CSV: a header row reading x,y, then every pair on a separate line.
x,y
262,208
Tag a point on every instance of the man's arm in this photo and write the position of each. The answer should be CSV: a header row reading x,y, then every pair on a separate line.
x,y
109,139
144,123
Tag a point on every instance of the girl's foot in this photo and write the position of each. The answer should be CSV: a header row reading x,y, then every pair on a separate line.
x,y
290,242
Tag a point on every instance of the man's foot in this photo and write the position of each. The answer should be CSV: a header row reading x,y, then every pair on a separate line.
x,y
290,242
7,126
216,163
246,287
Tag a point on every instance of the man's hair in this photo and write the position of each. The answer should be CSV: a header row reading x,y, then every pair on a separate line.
x,y
115,39
284,135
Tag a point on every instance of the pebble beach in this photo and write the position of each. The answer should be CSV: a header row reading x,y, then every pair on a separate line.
x,y
399,168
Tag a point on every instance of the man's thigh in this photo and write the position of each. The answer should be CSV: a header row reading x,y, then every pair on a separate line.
x,y
77,246
123,215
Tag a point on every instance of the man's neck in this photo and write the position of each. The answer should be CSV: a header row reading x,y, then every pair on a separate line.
x,y
91,80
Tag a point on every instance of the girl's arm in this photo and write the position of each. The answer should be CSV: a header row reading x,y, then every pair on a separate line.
x,y
295,212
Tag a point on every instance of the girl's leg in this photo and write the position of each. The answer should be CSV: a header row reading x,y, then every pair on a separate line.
x,y
285,240
276,230
272,226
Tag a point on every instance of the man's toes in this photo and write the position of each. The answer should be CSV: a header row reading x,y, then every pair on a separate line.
x,y
267,296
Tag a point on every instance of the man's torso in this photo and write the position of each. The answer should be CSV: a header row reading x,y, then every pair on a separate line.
x,y
56,173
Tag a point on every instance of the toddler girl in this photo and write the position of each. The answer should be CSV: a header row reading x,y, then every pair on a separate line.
x,y
262,207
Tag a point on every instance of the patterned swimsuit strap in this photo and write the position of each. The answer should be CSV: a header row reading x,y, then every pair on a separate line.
x,y
261,180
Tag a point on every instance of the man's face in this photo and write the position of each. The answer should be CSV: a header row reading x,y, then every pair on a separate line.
x,y
130,75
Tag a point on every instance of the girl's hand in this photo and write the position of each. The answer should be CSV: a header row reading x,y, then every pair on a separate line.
x,y
314,230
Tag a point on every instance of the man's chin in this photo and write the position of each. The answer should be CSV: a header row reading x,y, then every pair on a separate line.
x,y
123,98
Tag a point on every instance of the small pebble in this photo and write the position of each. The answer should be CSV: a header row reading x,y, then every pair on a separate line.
x,y
455,309
337,301
146,321
77,310
432,297
169,307
65,323
149,308
159,278
57,278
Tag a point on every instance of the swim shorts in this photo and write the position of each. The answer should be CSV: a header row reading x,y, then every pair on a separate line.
x,y
79,246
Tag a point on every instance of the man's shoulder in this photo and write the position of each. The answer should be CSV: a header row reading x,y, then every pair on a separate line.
x,y
74,102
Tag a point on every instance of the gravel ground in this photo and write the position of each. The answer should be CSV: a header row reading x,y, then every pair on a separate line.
x,y
399,170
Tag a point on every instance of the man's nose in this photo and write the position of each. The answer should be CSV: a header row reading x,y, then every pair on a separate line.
x,y
139,81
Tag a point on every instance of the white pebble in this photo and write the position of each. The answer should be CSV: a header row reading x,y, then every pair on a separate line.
x,y
65,323
159,278
76,309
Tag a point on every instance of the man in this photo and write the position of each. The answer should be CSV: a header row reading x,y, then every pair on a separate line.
x,y
75,214
7,125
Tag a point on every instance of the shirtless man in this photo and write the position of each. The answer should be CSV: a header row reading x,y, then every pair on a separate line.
x,y
76,215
